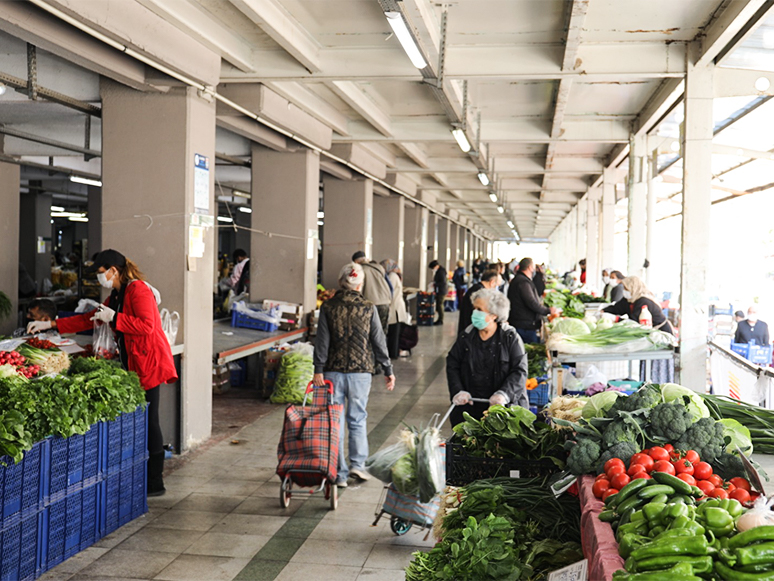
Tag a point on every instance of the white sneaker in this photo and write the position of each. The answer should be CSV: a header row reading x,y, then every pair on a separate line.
x,y
341,483
360,474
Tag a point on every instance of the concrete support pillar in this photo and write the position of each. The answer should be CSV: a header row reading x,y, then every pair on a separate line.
x,y
697,174
607,220
637,187
243,237
389,228
444,251
415,250
285,198
593,269
650,230
580,234
349,213
158,162
35,236
454,243
94,210
466,250
9,241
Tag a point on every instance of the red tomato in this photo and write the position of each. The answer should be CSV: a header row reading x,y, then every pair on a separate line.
x,y
615,469
718,493
658,453
729,487
636,469
599,487
716,480
609,492
705,486
740,482
741,495
643,460
702,470
683,466
619,481
613,462
669,448
641,474
664,466
692,456
684,476
602,476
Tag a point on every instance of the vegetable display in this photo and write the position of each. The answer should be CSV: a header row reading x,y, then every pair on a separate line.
x,y
622,337
15,364
757,420
504,529
63,405
537,359
566,408
570,304
48,360
295,373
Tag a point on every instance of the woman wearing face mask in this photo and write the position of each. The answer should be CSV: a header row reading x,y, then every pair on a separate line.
x,y
613,288
488,360
132,312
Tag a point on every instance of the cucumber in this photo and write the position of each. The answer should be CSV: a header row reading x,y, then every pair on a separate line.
x,y
632,488
680,486
653,491
631,503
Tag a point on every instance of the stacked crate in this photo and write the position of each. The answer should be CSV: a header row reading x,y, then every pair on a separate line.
x,y
425,308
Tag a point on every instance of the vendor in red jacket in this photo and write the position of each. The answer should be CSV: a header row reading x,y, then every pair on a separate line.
x,y
132,312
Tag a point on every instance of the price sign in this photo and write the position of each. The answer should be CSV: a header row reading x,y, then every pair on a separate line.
x,y
576,572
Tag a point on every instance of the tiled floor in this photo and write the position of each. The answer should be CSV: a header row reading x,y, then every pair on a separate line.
x,y
221,518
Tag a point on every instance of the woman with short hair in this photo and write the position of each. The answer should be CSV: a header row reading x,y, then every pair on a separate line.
x,y
397,316
488,360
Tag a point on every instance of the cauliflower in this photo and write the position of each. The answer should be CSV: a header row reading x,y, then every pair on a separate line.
x,y
624,451
670,421
647,397
583,457
706,437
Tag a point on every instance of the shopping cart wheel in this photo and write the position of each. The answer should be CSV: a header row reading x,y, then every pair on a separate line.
x,y
399,526
285,493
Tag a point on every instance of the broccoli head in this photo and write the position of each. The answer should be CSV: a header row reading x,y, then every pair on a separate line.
x,y
645,398
620,431
583,457
670,421
728,465
705,437
624,451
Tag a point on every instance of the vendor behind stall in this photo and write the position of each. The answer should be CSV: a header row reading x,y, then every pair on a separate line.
x,y
42,310
488,360
132,312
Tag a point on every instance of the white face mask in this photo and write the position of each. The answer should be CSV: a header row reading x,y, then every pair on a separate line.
x,y
627,295
613,282
752,317
103,280
606,279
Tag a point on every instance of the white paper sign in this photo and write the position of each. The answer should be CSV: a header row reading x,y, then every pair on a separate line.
x,y
10,344
201,184
576,572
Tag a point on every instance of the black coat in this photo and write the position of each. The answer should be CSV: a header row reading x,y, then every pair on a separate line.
x,y
540,283
510,374
526,306
441,281
623,307
617,293
466,308
745,333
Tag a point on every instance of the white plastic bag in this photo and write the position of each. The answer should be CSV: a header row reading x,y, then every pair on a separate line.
x,y
593,375
86,306
105,346
169,324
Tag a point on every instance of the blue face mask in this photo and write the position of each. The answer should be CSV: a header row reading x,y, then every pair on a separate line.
x,y
478,318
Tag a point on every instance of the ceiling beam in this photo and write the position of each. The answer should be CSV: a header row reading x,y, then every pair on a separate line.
x,y
283,29
356,98
304,98
731,27
415,153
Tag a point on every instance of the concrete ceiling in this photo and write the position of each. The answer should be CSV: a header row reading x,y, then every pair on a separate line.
x,y
548,91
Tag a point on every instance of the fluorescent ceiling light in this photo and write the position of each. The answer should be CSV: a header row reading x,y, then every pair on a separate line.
x,y
68,214
320,215
3,88
239,194
57,209
320,222
483,178
87,181
462,140
493,197
78,219
398,25
515,235
224,219
510,224
500,209
245,209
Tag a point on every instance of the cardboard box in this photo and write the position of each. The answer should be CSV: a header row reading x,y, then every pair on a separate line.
x,y
291,314
221,378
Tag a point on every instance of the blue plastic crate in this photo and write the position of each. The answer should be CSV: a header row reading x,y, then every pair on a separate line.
x,y
70,525
22,485
19,544
758,354
538,396
246,322
74,462
125,440
238,373
124,496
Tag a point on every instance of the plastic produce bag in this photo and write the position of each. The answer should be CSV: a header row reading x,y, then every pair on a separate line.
x,y
169,324
105,346
86,306
404,474
255,312
380,464
592,377
295,373
430,465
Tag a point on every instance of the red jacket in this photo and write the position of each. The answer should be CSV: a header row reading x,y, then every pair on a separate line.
x,y
147,347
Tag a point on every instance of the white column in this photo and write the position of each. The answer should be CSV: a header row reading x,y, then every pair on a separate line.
x,y
607,220
697,176
9,241
349,211
650,235
637,192
95,219
415,249
389,228
593,270
444,252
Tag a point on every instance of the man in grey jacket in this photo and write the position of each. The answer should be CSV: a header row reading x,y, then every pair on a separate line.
x,y
375,288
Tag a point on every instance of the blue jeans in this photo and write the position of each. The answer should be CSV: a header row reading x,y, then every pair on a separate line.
x,y
528,336
354,388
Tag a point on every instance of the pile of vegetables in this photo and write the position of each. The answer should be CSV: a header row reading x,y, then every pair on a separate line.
x,y
575,337
295,373
510,432
414,465
759,421
13,364
502,528
565,407
49,360
63,405
617,426
537,359
571,305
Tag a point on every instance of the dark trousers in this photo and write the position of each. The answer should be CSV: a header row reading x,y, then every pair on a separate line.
x,y
528,336
439,300
155,442
393,340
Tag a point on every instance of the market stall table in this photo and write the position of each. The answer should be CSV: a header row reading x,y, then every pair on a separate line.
x,y
232,343
597,537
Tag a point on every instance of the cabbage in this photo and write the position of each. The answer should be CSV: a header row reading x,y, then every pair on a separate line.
x,y
695,404
597,405
739,436
404,475
590,321
571,327
604,323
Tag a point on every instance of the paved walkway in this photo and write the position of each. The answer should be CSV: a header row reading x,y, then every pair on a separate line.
x,y
221,518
